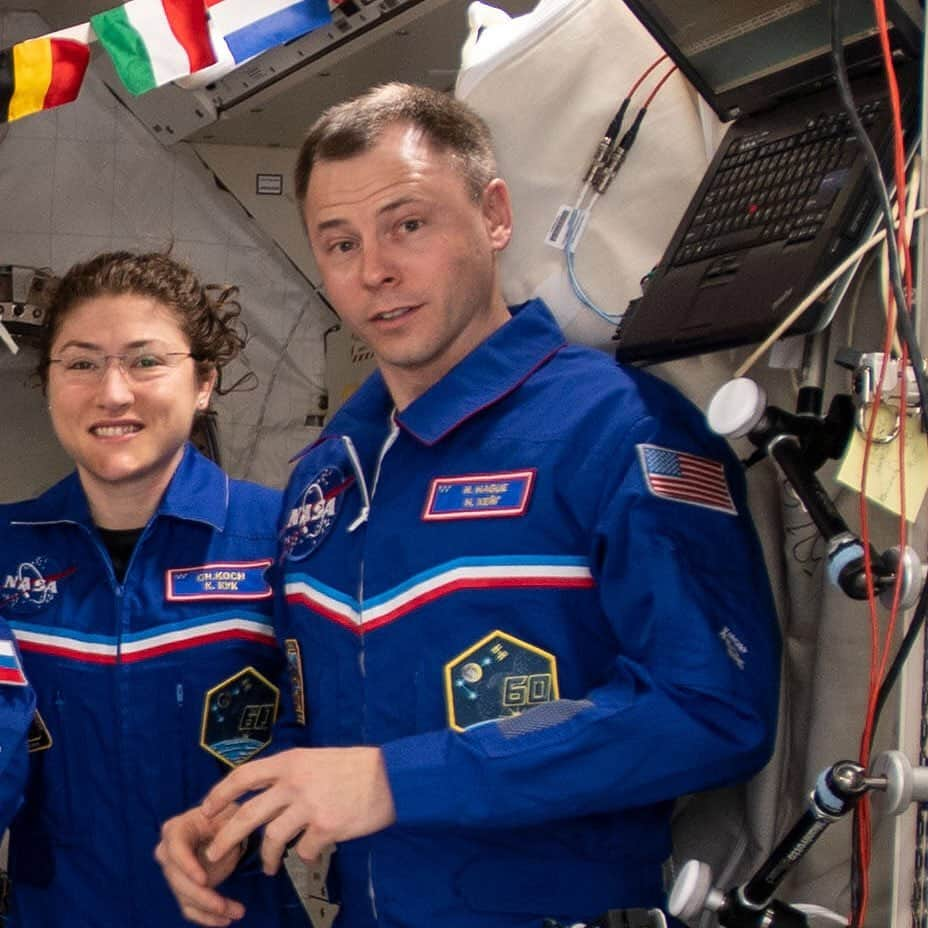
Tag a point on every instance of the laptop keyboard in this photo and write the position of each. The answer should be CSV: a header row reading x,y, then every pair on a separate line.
x,y
767,191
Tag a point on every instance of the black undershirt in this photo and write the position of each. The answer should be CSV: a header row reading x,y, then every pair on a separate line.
x,y
120,542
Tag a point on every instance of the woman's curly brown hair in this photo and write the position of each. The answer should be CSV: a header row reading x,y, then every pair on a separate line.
x,y
208,314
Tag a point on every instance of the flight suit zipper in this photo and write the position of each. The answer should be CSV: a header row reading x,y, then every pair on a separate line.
x,y
361,519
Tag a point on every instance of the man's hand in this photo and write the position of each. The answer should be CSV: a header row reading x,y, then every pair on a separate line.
x,y
318,795
191,875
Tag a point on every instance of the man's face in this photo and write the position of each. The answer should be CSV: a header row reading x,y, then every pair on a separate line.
x,y
408,256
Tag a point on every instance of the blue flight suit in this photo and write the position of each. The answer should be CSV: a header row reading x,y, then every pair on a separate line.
x,y
17,708
131,679
539,590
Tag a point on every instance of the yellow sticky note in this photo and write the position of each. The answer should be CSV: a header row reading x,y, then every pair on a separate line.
x,y
883,466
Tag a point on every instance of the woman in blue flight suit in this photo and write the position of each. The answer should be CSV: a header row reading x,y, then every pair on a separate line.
x,y
137,590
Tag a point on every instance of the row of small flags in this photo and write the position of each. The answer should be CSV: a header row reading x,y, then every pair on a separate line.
x,y
151,43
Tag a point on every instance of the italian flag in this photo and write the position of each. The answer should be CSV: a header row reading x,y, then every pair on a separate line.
x,y
39,74
153,42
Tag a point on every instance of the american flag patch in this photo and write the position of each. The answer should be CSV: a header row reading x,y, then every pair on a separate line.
x,y
686,478
11,671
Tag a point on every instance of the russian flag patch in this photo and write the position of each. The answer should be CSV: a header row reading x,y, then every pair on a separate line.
x,y
11,670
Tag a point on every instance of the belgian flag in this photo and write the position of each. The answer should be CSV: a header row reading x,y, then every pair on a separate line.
x,y
39,74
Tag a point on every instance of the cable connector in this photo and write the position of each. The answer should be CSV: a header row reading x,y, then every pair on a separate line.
x,y
598,159
607,172
606,142
617,155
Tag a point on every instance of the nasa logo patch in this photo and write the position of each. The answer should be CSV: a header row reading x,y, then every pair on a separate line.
x,y
311,520
32,586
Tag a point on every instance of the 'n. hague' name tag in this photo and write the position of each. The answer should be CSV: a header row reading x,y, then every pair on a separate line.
x,y
479,495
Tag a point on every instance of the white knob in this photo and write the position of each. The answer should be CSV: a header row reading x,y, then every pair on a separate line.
x,y
736,407
904,783
913,577
692,891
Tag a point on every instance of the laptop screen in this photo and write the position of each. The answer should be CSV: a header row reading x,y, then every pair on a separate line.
x,y
741,55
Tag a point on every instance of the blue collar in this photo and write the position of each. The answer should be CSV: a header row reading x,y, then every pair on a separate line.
x,y
490,372
198,491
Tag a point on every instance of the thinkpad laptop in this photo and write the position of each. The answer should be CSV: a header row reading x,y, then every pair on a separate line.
x,y
787,195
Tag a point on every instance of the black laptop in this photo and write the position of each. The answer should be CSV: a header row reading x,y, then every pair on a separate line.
x,y
787,195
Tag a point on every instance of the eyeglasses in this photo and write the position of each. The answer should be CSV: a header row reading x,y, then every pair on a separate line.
x,y
85,366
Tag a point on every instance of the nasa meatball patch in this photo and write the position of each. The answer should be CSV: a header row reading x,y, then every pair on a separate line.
x,y
32,586
311,519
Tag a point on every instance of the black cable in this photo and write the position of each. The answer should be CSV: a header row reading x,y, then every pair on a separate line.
x,y
632,133
903,320
616,125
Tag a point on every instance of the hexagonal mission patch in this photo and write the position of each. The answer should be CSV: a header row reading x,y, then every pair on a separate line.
x,y
238,715
497,677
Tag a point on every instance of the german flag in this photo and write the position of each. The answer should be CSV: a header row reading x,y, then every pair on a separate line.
x,y
39,74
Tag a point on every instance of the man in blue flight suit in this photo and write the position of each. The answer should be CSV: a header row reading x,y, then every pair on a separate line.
x,y
523,602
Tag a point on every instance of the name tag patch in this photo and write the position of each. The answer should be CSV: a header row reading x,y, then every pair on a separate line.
x,y
236,580
476,496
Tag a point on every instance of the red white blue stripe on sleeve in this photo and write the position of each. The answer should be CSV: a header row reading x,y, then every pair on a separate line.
x,y
686,478
11,671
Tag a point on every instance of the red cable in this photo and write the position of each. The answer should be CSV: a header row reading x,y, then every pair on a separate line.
x,y
660,84
878,655
641,78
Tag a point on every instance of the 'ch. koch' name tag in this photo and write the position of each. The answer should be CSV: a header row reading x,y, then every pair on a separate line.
x,y
245,580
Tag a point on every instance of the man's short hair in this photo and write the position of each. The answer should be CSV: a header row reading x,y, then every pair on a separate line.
x,y
355,126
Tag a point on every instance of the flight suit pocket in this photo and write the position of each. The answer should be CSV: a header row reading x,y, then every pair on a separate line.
x,y
64,781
